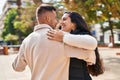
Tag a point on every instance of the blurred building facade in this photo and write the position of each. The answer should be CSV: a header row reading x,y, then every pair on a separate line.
x,y
107,36
96,31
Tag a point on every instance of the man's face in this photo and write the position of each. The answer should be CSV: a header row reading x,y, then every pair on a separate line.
x,y
52,19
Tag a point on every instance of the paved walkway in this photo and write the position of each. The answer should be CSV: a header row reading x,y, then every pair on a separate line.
x,y
112,64
6,71
111,60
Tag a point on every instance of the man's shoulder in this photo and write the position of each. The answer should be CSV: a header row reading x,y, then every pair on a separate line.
x,y
31,35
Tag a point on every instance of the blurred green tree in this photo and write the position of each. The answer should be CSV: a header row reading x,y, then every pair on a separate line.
x,y
9,23
25,21
19,22
117,24
11,38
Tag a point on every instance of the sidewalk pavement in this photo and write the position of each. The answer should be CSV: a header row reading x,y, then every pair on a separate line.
x,y
111,62
7,72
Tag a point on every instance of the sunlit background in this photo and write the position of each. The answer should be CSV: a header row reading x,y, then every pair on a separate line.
x,y
17,19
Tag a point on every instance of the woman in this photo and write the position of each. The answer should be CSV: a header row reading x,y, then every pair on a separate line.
x,y
79,69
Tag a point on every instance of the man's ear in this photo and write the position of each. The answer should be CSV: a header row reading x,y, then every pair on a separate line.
x,y
47,18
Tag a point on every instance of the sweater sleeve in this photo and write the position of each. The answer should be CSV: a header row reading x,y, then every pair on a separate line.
x,y
80,41
84,54
19,63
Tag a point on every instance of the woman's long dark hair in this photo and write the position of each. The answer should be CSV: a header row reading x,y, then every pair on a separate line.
x,y
82,28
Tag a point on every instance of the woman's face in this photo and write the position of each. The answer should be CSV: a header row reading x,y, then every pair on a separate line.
x,y
66,24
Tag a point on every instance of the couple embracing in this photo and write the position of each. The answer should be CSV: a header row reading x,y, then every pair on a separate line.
x,y
68,53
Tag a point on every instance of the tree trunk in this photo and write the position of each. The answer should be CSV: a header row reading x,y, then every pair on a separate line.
x,y
111,29
18,3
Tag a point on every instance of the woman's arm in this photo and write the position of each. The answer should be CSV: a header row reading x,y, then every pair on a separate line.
x,y
80,41
85,46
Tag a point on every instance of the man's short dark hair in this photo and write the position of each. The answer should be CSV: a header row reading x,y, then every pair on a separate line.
x,y
43,9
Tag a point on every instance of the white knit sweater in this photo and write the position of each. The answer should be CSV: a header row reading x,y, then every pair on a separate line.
x,y
85,42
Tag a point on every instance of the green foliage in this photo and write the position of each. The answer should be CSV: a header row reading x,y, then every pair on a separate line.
x,y
19,22
8,23
89,2
117,44
89,8
24,23
117,24
21,26
110,1
11,37
27,20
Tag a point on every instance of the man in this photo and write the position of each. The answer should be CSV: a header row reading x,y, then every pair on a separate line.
x,y
47,59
